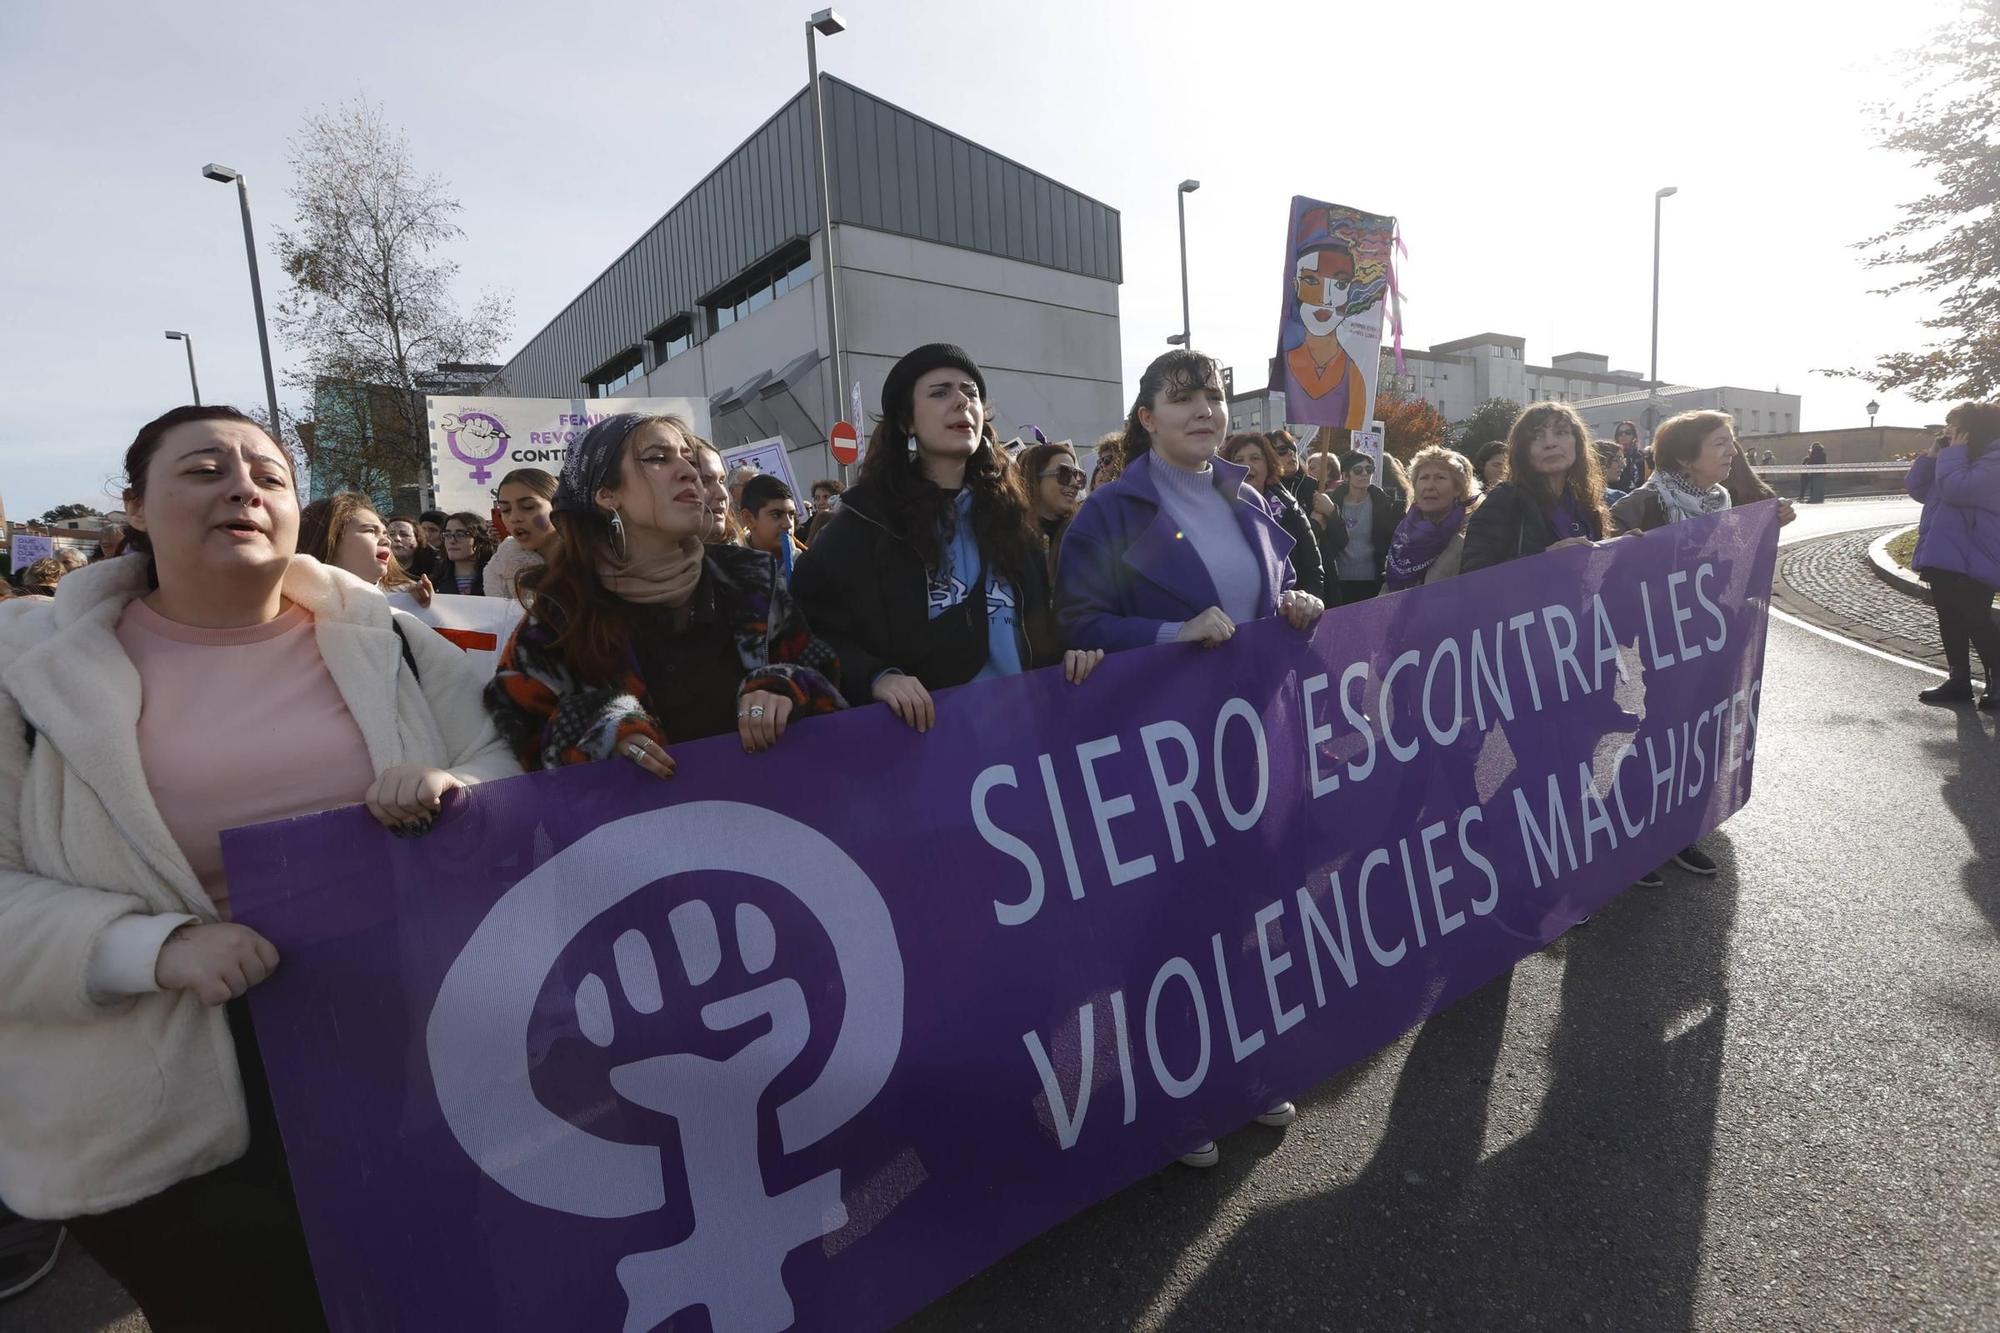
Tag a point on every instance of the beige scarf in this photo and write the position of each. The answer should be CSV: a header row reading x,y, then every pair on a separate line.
x,y
668,578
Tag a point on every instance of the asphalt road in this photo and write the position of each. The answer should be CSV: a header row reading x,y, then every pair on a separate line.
x,y
1763,1101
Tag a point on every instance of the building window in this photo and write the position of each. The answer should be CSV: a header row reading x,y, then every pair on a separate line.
x,y
617,374
671,339
789,268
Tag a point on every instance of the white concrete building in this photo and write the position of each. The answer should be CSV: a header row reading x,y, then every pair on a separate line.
x,y
937,240
1456,377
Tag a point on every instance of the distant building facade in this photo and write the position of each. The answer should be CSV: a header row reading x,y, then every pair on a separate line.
x,y
1456,377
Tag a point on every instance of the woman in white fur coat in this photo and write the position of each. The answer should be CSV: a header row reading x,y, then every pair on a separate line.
x,y
211,679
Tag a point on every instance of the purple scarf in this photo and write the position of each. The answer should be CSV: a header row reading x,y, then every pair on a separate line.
x,y
1417,544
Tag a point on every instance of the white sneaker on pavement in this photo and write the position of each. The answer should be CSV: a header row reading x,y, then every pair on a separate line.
x,y
1205,1156
1280,1115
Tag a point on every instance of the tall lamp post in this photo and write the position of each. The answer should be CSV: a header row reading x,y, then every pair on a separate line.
x,y
826,23
193,383
1873,408
224,175
1653,371
1180,203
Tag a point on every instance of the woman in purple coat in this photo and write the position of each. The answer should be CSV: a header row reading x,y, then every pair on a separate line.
x,y
1179,549
1958,545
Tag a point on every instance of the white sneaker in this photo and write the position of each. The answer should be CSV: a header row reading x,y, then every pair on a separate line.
x,y
1205,1156
1280,1115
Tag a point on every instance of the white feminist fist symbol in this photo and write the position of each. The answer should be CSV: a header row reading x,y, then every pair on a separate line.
x,y
715,1101
477,1039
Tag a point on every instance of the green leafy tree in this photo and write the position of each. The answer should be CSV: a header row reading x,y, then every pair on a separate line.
x,y
1950,238
62,512
1493,419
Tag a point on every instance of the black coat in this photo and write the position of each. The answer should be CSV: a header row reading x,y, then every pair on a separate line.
x,y
1509,524
1333,533
865,591
1302,487
1306,564
444,580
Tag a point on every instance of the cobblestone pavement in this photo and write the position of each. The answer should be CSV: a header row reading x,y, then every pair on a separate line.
x,y
1829,582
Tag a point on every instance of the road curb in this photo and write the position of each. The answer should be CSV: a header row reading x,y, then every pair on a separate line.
x,y
1893,574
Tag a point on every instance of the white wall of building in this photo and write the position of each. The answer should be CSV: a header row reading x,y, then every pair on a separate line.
x,y
1046,340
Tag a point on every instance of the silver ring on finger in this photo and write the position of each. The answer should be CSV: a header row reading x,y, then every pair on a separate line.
x,y
756,710
636,750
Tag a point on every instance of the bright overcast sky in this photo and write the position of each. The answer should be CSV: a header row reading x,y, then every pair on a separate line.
x,y
1519,144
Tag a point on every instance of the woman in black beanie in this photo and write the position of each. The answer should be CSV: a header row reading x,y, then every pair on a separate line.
x,y
932,573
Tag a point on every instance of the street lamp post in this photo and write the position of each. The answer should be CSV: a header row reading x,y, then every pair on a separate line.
x,y
224,175
826,23
1873,408
1653,370
1180,202
193,383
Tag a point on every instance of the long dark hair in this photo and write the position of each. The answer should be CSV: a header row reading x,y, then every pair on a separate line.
x,y
587,618
1584,481
920,512
1981,424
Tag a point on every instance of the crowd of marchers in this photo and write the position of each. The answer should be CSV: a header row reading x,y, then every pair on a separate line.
x,y
237,656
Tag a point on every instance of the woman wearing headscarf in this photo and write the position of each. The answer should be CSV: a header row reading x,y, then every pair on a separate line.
x,y
638,635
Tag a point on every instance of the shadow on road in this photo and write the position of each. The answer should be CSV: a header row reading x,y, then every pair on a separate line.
x,y
1971,775
1593,1217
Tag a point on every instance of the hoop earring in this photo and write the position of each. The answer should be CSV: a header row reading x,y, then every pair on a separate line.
x,y
913,448
618,549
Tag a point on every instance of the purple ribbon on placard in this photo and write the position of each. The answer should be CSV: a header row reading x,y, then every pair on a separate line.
x,y
805,1038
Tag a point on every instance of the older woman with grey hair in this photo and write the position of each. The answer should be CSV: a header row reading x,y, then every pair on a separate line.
x,y
1430,540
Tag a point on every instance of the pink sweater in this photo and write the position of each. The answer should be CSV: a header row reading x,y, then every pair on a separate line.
x,y
236,727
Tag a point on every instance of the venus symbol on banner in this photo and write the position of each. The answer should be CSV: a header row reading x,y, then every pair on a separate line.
x,y
480,426
732,1262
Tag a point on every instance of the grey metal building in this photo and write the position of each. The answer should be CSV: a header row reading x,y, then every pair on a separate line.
x,y
936,238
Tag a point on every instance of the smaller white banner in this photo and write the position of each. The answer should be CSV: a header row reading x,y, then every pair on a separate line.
x,y
480,626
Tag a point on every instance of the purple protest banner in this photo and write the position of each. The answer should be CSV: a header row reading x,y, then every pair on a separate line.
x,y
806,1038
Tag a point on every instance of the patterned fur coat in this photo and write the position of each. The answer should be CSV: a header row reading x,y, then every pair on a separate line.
x,y
551,718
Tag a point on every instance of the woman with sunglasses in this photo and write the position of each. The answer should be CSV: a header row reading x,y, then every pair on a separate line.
x,y
1055,489
468,545
1253,452
1297,481
1359,529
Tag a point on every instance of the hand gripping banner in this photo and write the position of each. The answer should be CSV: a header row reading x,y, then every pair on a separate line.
x,y
803,1039
1339,266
